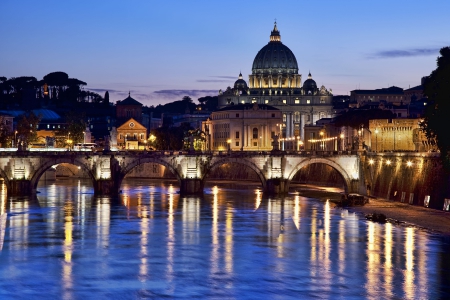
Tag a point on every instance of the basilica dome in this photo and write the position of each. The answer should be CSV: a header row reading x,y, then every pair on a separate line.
x,y
240,83
309,83
275,57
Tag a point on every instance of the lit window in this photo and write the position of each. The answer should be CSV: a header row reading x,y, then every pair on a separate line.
x,y
308,101
253,101
284,101
48,125
284,117
266,101
297,101
243,101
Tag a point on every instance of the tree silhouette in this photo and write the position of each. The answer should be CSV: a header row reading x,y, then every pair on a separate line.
x,y
106,99
26,127
437,121
356,118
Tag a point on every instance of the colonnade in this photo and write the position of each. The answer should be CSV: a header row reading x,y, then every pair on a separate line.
x,y
291,81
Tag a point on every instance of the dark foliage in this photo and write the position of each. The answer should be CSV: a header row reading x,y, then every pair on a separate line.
x,y
170,138
209,103
437,121
26,127
177,107
356,118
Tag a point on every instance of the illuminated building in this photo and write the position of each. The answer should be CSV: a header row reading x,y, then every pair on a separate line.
x,y
275,81
399,135
132,135
247,127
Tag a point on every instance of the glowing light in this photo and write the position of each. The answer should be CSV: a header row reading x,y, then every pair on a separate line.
x,y
388,162
409,163
371,161
215,190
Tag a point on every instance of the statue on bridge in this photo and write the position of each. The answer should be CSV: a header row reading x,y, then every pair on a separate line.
x,y
275,143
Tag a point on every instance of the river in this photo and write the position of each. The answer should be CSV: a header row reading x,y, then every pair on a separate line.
x,y
232,243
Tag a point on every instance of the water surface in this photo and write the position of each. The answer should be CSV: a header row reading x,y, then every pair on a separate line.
x,y
232,243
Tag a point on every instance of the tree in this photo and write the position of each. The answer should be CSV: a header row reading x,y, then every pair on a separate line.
x,y
5,132
73,132
356,118
437,122
26,127
106,99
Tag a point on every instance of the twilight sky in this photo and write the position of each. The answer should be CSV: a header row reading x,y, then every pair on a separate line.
x,y
164,50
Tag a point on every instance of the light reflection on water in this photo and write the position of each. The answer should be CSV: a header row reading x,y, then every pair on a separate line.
x,y
66,243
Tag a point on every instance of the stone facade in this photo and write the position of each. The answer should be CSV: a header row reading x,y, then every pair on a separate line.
x,y
131,135
397,135
245,127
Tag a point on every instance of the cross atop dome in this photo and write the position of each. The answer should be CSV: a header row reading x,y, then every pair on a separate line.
x,y
275,34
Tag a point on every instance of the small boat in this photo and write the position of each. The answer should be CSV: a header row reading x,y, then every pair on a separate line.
x,y
353,200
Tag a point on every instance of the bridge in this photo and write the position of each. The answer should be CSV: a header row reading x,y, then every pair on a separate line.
x,y
21,170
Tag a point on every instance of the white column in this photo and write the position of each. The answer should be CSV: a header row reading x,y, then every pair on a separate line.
x,y
302,127
288,124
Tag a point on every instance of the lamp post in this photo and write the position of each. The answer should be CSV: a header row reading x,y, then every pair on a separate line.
x,y
260,142
15,138
376,140
322,142
229,145
341,144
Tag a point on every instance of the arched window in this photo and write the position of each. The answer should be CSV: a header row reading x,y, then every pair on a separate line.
x,y
255,133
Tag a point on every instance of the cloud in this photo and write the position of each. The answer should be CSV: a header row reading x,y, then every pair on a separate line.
x,y
212,80
181,93
103,90
225,77
404,53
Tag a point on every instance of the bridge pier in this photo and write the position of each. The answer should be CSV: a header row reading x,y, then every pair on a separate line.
x,y
277,186
191,186
106,187
20,187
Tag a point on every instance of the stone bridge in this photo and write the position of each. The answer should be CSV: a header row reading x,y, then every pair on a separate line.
x,y
22,170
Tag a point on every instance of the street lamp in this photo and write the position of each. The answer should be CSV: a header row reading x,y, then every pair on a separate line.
x,y
341,144
229,145
15,138
376,140
321,137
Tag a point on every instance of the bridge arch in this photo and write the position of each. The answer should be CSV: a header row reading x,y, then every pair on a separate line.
x,y
242,161
144,160
5,178
329,162
56,161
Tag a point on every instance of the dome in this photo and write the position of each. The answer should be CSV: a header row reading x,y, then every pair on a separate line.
x,y
309,84
240,83
275,57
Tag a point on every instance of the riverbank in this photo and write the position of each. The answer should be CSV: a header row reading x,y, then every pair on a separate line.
x,y
399,213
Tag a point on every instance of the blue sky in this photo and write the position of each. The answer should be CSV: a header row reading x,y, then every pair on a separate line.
x,y
164,50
